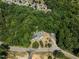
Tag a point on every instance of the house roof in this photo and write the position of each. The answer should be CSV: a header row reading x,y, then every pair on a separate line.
x,y
37,35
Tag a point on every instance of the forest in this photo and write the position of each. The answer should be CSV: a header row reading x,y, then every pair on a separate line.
x,y
18,23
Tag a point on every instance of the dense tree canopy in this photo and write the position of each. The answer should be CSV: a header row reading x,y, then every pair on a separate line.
x,y
18,23
4,48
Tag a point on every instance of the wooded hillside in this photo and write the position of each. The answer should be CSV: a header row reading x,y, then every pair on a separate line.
x,y
18,23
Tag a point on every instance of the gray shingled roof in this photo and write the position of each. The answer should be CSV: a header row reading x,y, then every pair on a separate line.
x,y
37,35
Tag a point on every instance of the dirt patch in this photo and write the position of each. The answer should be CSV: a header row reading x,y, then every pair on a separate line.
x,y
36,56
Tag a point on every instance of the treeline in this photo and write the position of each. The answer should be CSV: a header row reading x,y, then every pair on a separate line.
x,y
66,13
18,23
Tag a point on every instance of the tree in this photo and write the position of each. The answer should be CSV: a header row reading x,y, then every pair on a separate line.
x,y
59,54
4,48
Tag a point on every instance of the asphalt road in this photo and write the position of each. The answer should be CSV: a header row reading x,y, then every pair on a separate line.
x,y
31,50
20,49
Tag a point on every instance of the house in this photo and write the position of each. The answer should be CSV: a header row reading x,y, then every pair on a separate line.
x,y
46,38
35,4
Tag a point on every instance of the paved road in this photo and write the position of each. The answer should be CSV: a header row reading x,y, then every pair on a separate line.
x,y
32,50
69,55
21,49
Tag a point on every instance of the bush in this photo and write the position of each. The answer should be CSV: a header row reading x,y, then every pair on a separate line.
x,y
49,45
35,44
58,54
4,48
41,43
49,57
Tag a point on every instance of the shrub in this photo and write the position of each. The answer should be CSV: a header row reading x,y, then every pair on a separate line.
x,y
58,54
41,43
49,57
35,44
49,45
4,48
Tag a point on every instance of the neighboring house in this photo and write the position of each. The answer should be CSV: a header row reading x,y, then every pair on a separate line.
x,y
35,4
37,36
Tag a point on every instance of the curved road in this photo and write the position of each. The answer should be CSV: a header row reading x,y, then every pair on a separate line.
x,y
67,54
